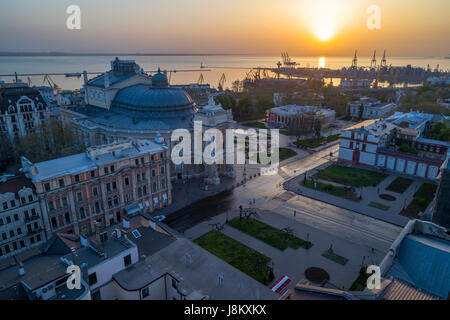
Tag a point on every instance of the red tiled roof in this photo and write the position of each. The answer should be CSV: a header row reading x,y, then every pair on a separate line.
x,y
15,184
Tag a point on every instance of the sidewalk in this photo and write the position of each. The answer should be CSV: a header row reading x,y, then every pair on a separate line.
x,y
293,263
369,194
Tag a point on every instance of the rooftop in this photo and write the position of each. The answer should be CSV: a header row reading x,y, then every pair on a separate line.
x,y
294,109
198,272
83,162
15,184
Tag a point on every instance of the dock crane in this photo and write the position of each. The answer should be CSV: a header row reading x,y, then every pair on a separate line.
x,y
355,61
222,81
373,63
383,61
201,79
50,82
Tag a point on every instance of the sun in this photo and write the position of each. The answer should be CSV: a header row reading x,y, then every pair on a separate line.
x,y
324,33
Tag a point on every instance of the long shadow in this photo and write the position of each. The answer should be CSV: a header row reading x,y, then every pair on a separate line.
x,y
200,211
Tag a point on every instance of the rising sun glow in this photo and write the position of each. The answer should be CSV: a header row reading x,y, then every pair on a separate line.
x,y
325,18
324,33
321,62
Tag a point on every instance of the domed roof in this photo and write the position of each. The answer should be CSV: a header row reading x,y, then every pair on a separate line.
x,y
154,98
160,80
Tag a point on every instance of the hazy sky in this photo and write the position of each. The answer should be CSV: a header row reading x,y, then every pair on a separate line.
x,y
408,27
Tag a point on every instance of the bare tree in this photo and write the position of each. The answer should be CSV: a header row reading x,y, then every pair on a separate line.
x,y
287,233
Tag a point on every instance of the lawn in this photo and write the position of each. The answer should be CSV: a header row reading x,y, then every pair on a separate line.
x,y
286,153
258,125
379,206
316,142
240,256
268,234
361,282
399,185
329,254
422,199
351,176
331,189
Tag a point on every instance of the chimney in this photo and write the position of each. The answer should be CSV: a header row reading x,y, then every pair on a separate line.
x,y
74,256
125,223
21,269
97,234
106,79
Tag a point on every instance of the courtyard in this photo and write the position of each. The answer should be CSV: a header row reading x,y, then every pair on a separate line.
x,y
386,196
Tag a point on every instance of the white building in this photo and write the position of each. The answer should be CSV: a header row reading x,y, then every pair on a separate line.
x,y
370,108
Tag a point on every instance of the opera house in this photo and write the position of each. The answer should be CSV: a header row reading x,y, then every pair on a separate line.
x,y
126,103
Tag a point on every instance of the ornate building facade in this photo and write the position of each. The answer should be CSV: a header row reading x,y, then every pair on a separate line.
x,y
101,186
22,110
126,103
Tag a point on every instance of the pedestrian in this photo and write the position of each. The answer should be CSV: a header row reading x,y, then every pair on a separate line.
x,y
295,213
331,247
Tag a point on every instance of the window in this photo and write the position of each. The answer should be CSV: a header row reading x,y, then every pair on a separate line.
x,y
162,170
145,293
137,161
153,173
11,233
23,200
92,174
67,217
127,181
138,177
142,160
114,185
61,182
77,178
1,222
4,236
143,176
108,187
51,205
82,213
16,217
47,186
30,198
92,278
54,223
79,196
174,283
8,219
22,244
97,207
154,187
112,168
106,170
13,203
127,260
19,231
33,212
64,202
14,246
144,190
38,238
94,191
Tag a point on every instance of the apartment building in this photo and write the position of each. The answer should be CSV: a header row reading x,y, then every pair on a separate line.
x,y
101,185
21,224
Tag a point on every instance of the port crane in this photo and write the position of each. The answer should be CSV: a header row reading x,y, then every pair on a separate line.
x,y
373,63
201,80
383,61
287,61
222,81
50,82
355,61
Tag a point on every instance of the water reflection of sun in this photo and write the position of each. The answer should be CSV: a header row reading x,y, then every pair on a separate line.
x,y
321,62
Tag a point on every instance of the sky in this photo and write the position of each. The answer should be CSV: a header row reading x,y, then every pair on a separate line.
x,y
301,27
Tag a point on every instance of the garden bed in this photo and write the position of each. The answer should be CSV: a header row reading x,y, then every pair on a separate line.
x,y
351,176
331,189
268,234
249,261
329,254
379,206
422,199
400,185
